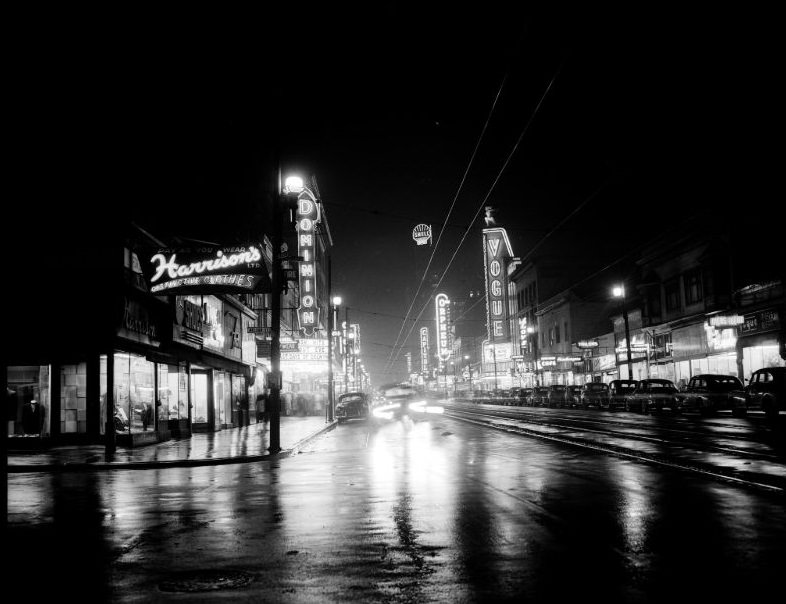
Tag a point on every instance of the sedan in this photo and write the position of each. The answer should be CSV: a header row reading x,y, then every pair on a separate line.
x,y
653,395
556,395
540,396
595,394
573,396
619,390
352,405
708,393
766,391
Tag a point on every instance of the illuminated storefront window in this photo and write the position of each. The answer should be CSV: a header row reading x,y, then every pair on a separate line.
x,y
133,392
28,400
173,392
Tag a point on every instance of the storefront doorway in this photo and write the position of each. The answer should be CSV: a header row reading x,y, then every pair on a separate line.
x,y
202,400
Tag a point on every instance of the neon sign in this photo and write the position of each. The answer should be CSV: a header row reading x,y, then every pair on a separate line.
x,y
206,269
442,303
496,249
422,234
424,350
308,310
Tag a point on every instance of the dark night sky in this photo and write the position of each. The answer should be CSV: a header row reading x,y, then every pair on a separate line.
x,y
173,119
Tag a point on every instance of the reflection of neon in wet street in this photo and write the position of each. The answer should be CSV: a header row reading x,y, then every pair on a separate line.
x,y
422,407
635,505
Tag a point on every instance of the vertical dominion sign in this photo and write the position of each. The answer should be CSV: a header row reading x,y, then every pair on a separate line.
x,y
307,218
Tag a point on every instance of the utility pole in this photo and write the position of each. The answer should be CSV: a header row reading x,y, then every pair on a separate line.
x,y
330,319
275,321
346,349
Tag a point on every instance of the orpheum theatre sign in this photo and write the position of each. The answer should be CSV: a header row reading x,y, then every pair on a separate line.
x,y
206,269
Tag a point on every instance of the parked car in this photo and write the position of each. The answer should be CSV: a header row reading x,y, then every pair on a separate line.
x,y
709,392
540,396
619,391
572,396
523,396
556,395
765,391
653,395
595,394
352,405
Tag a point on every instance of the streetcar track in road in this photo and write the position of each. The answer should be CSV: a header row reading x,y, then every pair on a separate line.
x,y
730,432
632,422
513,415
619,451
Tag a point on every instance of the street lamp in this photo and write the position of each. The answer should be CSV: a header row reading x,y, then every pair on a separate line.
x,y
335,303
618,291
285,196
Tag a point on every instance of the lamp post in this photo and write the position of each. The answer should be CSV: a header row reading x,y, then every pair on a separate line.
x,y
292,187
346,349
335,302
618,291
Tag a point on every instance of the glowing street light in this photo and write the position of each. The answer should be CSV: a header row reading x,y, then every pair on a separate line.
x,y
618,291
294,184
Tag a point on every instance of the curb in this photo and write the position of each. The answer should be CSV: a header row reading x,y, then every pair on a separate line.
x,y
175,463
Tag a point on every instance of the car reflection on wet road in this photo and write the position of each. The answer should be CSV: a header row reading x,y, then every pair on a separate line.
x,y
430,509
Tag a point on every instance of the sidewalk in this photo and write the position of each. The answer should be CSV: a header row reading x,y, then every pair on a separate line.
x,y
233,445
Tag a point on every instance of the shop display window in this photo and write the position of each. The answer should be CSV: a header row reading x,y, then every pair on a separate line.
x,y
758,357
133,393
173,392
28,390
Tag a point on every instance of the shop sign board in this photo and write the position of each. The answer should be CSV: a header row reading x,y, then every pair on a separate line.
x,y
587,344
205,269
421,234
442,304
498,352
761,321
496,251
307,219
424,350
138,323
263,349
305,350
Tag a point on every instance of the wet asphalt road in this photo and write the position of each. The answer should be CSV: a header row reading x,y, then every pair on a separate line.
x,y
436,510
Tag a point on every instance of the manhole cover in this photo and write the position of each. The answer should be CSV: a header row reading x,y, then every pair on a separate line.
x,y
206,580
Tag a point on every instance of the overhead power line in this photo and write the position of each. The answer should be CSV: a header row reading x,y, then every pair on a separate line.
x,y
394,354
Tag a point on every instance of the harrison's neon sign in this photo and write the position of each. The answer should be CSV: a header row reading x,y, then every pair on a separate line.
x,y
221,261
205,270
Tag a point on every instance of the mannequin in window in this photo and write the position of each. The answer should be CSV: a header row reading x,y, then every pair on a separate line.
x,y
32,417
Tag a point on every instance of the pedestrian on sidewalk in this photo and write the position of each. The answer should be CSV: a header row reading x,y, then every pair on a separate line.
x,y
263,413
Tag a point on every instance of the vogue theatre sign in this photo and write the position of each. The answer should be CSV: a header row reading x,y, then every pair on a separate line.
x,y
496,250
206,270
